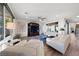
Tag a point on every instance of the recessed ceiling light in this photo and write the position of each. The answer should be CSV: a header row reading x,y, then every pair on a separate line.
x,y
77,16
40,20
26,12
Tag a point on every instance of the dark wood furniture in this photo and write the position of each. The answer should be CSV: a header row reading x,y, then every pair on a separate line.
x,y
33,29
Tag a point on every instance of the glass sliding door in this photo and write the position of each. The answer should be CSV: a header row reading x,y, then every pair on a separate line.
x,y
1,23
8,19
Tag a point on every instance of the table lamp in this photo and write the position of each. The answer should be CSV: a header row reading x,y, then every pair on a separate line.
x,y
10,26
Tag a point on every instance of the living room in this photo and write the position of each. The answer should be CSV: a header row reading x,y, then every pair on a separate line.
x,y
39,29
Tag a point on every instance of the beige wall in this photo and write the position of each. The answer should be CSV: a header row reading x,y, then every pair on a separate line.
x,y
22,27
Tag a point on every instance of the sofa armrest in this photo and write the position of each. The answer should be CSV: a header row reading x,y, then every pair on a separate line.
x,y
67,42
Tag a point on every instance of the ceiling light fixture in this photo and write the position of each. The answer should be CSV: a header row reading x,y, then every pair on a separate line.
x,y
26,13
77,16
41,18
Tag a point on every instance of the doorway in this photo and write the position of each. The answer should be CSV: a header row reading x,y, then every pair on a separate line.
x,y
77,30
33,29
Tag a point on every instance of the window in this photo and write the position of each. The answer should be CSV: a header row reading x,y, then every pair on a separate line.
x,y
5,17
8,18
1,23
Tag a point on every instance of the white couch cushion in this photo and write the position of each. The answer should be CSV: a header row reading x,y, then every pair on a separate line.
x,y
59,43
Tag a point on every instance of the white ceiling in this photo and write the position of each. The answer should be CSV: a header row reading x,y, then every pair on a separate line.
x,y
44,9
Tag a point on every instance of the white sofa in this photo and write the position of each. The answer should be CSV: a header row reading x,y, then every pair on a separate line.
x,y
59,43
31,48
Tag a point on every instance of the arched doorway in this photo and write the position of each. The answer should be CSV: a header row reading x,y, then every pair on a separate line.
x,y
33,29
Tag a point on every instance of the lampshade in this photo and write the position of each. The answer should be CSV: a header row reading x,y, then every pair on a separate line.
x,y
10,25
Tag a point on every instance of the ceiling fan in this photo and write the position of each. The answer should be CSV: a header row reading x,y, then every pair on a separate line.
x,y
41,18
